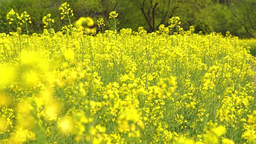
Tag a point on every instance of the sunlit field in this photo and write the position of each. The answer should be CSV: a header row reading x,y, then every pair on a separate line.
x,y
127,87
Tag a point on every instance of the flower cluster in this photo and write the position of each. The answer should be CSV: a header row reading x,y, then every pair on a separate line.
x,y
47,20
24,17
11,16
174,24
20,20
113,15
65,10
100,23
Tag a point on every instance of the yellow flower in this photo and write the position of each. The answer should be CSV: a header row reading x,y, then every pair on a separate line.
x,y
52,110
5,100
66,125
84,22
210,137
183,140
10,15
69,54
3,124
30,78
90,22
47,19
219,131
100,22
113,14
7,75
227,141
65,10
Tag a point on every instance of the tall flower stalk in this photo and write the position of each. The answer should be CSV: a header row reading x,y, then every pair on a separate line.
x,y
66,11
113,15
101,24
19,20
48,21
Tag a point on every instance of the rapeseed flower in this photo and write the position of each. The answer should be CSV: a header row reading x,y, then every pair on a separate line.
x,y
5,100
7,75
219,131
11,16
113,15
84,22
52,110
47,21
131,87
227,141
3,125
66,125
100,22
69,54
65,10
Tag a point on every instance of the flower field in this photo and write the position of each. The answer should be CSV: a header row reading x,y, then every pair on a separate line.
x,y
127,87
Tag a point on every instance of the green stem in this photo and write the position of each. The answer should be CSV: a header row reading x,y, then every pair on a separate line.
x,y
51,33
70,26
27,34
115,27
51,29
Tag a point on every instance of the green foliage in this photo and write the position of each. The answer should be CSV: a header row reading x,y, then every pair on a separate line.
x,y
4,9
245,14
221,19
202,26
130,16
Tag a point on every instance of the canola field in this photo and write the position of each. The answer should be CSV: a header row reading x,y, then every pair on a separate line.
x,y
127,87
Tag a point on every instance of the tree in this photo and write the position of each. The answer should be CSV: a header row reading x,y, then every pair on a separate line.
x,y
222,20
196,12
157,12
192,12
244,12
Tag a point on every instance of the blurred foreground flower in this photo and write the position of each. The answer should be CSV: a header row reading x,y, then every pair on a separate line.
x,y
7,75
66,125
85,23
3,124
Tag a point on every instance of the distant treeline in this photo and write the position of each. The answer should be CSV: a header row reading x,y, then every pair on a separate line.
x,y
236,16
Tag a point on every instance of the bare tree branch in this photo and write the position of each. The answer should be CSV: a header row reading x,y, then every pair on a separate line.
x,y
153,16
244,25
117,1
142,8
171,12
248,14
152,10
